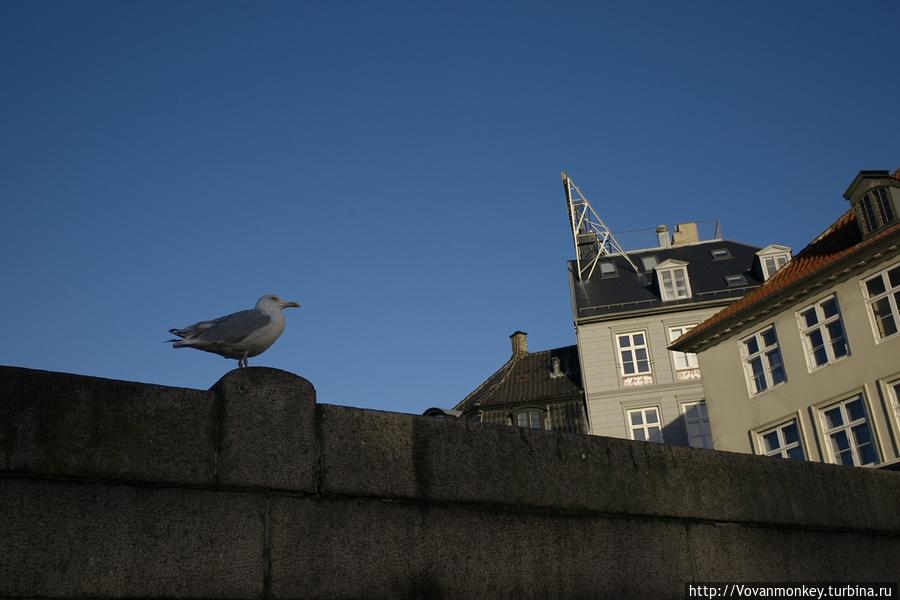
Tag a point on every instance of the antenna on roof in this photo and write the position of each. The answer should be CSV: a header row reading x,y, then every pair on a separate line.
x,y
593,239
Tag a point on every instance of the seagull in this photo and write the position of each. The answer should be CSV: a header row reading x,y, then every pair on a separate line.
x,y
239,335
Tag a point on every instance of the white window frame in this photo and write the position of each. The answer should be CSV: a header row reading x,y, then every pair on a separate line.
x,y
702,420
778,254
645,426
847,427
892,386
529,413
687,360
670,268
763,353
632,347
890,294
821,326
778,261
783,445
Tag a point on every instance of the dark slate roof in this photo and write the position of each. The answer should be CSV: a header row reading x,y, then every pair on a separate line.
x,y
637,292
834,248
526,378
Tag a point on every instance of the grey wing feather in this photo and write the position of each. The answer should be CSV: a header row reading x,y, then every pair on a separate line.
x,y
232,328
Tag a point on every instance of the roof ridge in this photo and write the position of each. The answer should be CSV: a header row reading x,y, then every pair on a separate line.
x,y
507,367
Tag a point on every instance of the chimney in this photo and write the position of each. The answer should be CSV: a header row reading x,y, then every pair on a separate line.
x,y
662,234
519,343
686,233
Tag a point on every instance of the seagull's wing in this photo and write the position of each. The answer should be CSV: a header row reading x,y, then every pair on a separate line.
x,y
192,330
232,328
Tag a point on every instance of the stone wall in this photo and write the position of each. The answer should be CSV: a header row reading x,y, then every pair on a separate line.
x,y
111,489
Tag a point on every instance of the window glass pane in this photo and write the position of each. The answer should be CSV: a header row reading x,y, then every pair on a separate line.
x,y
652,417
884,319
868,213
768,337
841,441
861,434
834,418
829,308
752,346
875,286
855,410
883,201
690,411
795,453
522,420
607,268
759,378
790,433
637,418
639,339
838,341
624,341
867,454
810,317
818,347
655,435
775,365
639,435
894,277
701,409
781,260
628,368
770,441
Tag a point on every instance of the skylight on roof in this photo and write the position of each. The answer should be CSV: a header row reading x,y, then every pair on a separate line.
x,y
735,280
648,262
607,269
720,253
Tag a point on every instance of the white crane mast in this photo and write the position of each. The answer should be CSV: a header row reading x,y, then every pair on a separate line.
x,y
592,238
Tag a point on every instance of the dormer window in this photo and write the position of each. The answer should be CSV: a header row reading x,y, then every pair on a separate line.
x,y
875,198
875,210
673,280
771,264
771,259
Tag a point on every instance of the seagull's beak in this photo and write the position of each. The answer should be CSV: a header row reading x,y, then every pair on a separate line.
x,y
290,305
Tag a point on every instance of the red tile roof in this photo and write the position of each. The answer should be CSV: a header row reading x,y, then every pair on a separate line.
x,y
839,241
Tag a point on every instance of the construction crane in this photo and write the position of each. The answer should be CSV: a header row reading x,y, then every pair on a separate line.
x,y
593,239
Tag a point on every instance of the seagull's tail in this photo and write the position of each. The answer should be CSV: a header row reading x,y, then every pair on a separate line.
x,y
179,332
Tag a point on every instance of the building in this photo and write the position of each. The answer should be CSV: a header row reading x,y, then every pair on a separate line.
x,y
537,390
628,308
807,366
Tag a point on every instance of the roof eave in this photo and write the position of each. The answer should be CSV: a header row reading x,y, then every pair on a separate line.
x,y
698,340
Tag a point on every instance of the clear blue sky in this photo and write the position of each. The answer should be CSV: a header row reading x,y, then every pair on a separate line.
x,y
395,168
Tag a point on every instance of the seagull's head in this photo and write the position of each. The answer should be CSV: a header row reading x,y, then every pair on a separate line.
x,y
273,302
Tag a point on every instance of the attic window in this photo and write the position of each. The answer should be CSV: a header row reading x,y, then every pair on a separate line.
x,y
608,269
720,253
649,263
735,280
673,283
772,263
875,211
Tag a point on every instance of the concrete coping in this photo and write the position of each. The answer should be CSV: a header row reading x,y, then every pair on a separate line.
x,y
260,428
